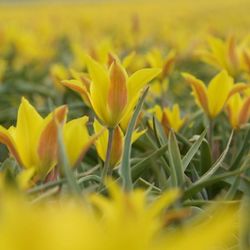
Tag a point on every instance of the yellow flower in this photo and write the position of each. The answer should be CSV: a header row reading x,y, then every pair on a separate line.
x,y
213,98
121,221
112,93
117,143
238,109
33,142
58,73
222,54
156,60
169,118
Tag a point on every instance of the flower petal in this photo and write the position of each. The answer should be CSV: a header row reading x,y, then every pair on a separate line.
x,y
199,90
47,147
218,91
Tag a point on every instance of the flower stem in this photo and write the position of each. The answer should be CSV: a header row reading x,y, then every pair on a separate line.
x,y
106,168
210,134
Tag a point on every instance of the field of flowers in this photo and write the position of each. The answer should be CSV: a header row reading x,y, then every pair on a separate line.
x,y
125,125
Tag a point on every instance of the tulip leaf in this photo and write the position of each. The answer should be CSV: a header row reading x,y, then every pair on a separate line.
x,y
143,164
218,163
193,150
176,166
125,169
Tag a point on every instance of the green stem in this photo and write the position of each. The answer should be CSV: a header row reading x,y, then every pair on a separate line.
x,y
210,133
106,168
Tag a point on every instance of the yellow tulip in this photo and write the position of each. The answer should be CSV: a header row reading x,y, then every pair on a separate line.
x,y
112,93
238,110
33,142
117,143
58,73
169,118
222,54
114,222
213,98
156,59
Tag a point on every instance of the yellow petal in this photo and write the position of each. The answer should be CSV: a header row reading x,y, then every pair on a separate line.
x,y
117,93
139,79
78,87
218,91
128,59
117,147
98,88
76,139
169,63
164,201
239,87
137,134
24,178
102,142
174,118
199,90
7,140
47,147
244,114
233,108
26,134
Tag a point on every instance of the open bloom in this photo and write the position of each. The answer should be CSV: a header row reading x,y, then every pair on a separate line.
x,y
114,222
222,54
112,94
238,109
213,98
169,118
33,142
156,59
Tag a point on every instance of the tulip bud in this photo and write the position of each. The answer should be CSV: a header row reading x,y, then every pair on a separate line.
x,y
117,93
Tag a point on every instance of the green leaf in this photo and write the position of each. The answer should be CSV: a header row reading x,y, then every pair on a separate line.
x,y
143,164
218,163
205,157
243,148
196,187
125,169
176,166
193,150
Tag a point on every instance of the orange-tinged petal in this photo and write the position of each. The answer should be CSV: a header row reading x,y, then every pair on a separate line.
x,y
47,147
169,63
232,52
199,90
233,109
218,91
6,139
244,114
239,87
102,143
78,87
117,93
117,147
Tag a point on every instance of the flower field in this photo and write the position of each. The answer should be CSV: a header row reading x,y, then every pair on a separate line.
x,y
125,125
